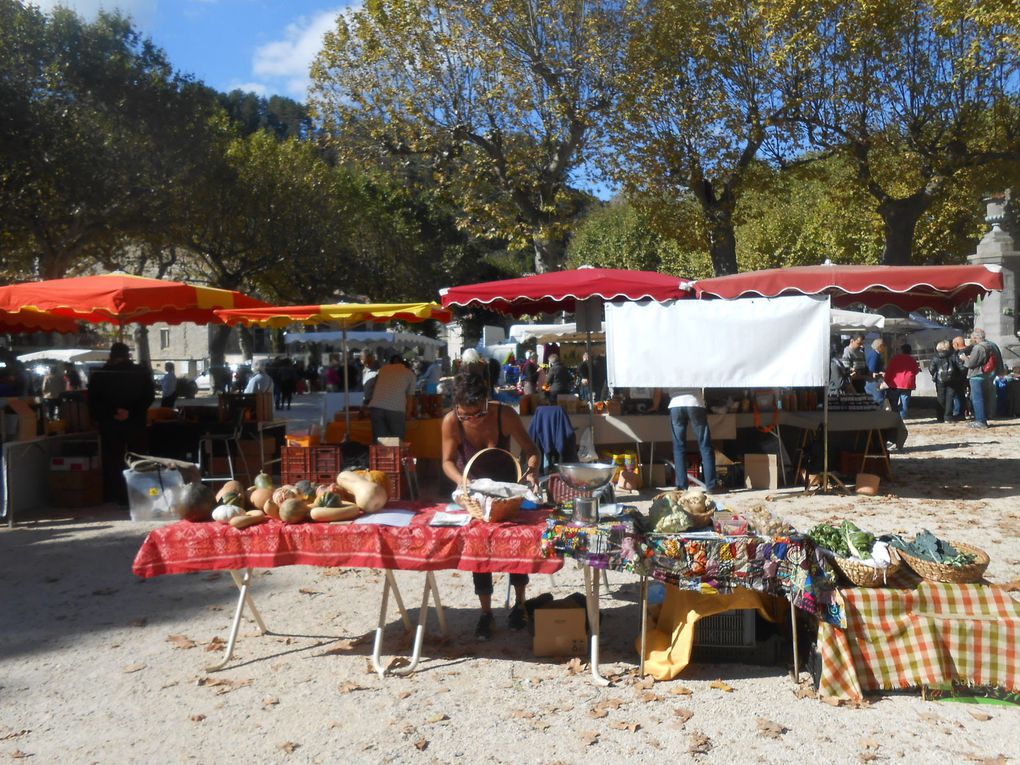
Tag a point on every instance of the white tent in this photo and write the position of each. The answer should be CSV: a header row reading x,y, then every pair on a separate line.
x,y
65,355
548,333
855,321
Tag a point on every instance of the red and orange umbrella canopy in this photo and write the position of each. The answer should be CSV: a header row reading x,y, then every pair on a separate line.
x,y
28,320
345,314
941,288
122,299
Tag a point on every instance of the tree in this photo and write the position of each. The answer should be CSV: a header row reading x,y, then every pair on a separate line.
x,y
708,85
499,100
97,133
284,117
915,93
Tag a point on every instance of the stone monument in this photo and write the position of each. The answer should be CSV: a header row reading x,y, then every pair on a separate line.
x,y
997,312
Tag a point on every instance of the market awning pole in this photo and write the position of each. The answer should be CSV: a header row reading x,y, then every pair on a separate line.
x,y
591,388
347,387
825,442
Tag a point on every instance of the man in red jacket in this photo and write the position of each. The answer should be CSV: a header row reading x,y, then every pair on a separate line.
x,y
901,377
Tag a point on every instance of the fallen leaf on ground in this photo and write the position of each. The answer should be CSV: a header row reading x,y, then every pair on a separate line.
x,y
180,641
15,734
649,697
979,716
523,713
396,663
620,725
197,718
805,691
540,725
589,737
17,754
681,690
223,684
645,683
216,644
309,591
597,712
403,694
869,743
575,666
607,703
683,714
720,685
770,729
348,686
700,743
270,701
867,756
1000,759
134,668
832,701
288,747
421,744
438,718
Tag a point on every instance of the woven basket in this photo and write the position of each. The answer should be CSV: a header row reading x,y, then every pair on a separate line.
x,y
940,572
867,576
698,520
501,510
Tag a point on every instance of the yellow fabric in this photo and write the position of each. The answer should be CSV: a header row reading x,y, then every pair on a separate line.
x,y
669,642
343,314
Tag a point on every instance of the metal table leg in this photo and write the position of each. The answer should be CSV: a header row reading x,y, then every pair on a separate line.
x,y
243,583
591,589
796,649
391,584
644,625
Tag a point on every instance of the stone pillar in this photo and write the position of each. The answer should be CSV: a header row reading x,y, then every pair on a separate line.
x,y
996,314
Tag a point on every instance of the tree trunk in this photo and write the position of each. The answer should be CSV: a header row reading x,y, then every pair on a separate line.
x,y
244,339
723,248
142,353
900,217
276,342
549,252
218,335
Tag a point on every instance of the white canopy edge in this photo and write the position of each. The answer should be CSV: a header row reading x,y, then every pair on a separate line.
x,y
65,355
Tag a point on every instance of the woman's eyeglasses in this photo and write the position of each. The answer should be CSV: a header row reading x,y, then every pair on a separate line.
x,y
474,415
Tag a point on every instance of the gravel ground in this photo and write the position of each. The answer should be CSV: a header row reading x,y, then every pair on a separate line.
x,y
98,666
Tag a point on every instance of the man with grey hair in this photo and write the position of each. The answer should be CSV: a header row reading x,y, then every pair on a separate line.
x,y
260,382
974,362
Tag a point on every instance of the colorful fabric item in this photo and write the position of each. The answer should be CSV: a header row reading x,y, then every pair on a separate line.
x,y
185,547
908,638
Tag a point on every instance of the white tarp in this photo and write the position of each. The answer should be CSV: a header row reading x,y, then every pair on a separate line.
x,y
364,337
855,321
521,333
66,355
746,343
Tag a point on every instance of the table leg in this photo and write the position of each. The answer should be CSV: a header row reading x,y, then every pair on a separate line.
x,y
796,649
419,634
243,583
591,589
644,625
392,582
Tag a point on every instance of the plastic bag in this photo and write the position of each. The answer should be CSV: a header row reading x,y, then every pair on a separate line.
x,y
151,483
586,447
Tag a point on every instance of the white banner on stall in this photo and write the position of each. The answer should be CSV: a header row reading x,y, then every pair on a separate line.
x,y
746,343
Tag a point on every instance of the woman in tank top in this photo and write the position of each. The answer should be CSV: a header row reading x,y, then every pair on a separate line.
x,y
476,423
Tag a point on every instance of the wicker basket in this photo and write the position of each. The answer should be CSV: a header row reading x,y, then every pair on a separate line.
x,y
940,572
867,576
501,510
698,520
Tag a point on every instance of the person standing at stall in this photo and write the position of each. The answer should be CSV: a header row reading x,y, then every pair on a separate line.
x,y
120,393
901,375
168,386
391,398
950,379
53,387
855,363
474,424
687,407
558,378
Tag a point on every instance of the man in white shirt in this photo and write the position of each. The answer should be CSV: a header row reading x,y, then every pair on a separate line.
x,y
390,398
260,382
168,386
687,406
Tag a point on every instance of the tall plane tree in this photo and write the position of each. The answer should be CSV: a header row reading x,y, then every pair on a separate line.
x,y
501,100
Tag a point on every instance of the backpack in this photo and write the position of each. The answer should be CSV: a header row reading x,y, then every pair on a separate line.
x,y
944,372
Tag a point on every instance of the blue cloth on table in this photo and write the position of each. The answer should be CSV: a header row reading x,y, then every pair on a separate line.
x,y
554,436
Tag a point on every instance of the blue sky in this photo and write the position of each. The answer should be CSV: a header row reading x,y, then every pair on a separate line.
x,y
264,46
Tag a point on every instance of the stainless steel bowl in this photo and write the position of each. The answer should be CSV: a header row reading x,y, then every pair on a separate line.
x,y
586,476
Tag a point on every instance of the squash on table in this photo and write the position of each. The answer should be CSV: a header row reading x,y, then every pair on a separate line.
x,y
283,493
271,509
259,497
263,481
294,510
230,487
377,476
368,495
345,512
194,502
223,513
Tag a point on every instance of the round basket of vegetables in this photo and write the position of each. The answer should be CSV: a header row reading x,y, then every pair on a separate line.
x,y
940,561
856,554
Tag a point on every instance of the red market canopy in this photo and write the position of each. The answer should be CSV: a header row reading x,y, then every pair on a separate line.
x,y
940,288
344,314
27,320
560,290
122,299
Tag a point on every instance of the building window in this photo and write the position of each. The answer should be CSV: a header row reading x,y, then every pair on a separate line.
x,y
164,339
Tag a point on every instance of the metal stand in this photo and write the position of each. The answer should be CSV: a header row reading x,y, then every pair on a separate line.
x,y
644,625
796,649
591,590
243,583
419,636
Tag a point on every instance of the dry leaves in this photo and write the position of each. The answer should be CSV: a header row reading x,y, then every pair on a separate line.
x,y
197,718
134,668
523,714
575,666
17,754
770,729
645,683
721,686
649,697
15,734
683,714
270,701
979,716
681,690
598,712
288,747
181,641
349,686
589,737
438,719
421,744
620,725
403,694
309,591
216,644
222,684
700,743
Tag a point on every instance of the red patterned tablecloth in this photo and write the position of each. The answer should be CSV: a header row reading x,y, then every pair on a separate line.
x,y
185,547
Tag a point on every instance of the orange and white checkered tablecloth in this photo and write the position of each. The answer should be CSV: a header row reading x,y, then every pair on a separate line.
x,y
908,638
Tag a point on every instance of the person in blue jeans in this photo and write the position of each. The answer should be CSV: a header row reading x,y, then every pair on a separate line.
x,y
974,361
687,407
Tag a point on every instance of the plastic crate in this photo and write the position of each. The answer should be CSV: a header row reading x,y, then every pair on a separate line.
x,y
396,486
293,476
325,460
295,459
732,629
389,459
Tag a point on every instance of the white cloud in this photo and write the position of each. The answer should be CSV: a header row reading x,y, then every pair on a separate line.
x,y
141,11
288,60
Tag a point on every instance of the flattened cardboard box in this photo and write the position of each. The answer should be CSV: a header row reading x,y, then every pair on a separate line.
x,y
560,632
761,471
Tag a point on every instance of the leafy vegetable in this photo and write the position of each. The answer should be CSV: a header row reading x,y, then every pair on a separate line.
x,y
858,542
929,547
828,536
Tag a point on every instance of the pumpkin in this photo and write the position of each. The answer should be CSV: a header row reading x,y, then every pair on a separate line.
x,y
194,502
271,509
376,476
263,481
294,510
368,495
223,513
283,493
327,499
231,498
259,497
229,487
304,488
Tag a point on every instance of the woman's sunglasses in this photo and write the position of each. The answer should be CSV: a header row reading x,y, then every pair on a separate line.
x,y
474,416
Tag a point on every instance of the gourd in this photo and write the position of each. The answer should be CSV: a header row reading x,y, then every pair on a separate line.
x,y
376,476
263,481
271,509
304,488
231,498
259,497
327,499
368,495
248,519
225,512
230,487
294,510
283,493
194,502
344,512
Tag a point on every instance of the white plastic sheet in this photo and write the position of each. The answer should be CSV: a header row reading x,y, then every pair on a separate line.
x,y
746,343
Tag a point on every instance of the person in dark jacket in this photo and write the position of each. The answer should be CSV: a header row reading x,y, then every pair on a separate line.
x,y
120,393
558,379
950,382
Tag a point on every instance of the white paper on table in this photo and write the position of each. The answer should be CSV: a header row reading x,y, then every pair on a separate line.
x,y
450,519
395,517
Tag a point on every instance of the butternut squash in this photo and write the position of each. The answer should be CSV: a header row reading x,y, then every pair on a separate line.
x,y
259,497
271,509
345,512
368,495
244,521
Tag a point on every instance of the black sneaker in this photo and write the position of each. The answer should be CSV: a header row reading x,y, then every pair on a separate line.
x,y
518,618
483,630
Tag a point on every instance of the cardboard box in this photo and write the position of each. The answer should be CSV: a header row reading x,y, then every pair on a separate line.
x,y
21,423
761,471
76,480
560,632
